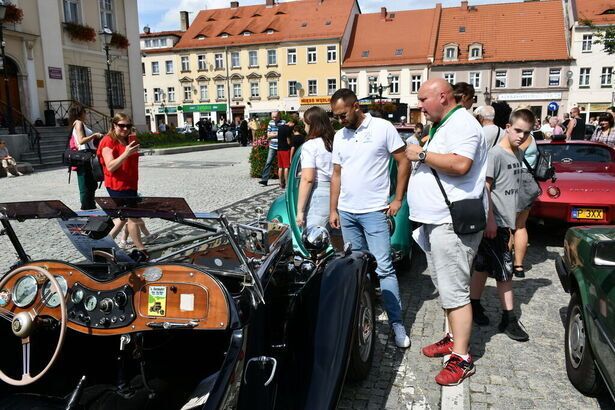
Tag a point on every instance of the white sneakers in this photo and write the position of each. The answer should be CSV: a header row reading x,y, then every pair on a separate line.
x,y
401,338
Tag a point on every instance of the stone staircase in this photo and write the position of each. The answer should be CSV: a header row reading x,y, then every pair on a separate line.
x,y
53,143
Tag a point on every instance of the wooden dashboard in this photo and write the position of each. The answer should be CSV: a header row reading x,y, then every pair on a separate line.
x,y
151,297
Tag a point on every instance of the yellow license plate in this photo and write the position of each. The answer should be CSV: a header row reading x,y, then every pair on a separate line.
x,y
587,213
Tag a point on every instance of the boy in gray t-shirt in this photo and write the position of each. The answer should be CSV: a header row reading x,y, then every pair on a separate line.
x,y
494,257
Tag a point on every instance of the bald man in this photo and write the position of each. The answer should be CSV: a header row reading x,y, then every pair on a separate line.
x,y
457,151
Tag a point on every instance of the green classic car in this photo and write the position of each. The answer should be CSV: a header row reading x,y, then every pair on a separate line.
x,y
587,272
284,210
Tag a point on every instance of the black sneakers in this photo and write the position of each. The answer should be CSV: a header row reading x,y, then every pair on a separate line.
x,y
478,313
513,328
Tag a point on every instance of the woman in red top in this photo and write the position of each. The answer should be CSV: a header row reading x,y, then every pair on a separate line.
x,y
118,153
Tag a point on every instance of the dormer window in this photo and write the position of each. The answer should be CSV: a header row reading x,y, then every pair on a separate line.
x,y
476,52
224,35
450,52
200,37
247,33
270,31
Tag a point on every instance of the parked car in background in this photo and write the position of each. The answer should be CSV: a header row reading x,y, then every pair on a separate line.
x,y
587,273
187,129
226,134
584,189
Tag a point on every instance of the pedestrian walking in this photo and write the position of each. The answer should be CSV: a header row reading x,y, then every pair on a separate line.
x,y
272,137
316,170
83,139
605,132
494,257
8,162
202,126
297,139
576,127
285,132
453,163
464,94
243,133
360,186
485,114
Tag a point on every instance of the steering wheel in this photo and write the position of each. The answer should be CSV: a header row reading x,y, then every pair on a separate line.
x,y
22,325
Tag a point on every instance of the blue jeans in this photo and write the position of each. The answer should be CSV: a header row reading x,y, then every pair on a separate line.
x,y
318,207
270,157
370,231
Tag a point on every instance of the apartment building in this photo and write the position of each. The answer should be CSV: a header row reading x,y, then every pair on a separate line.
x,y
248,60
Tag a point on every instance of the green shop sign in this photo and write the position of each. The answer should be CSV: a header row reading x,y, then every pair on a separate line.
x,y
169,110
202,107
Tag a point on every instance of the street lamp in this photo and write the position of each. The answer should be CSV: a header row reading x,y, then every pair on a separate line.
x,y
9,113
106,34
380,89
487,95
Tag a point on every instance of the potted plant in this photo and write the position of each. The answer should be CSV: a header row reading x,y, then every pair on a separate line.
x,y
80,32
13,14
119,41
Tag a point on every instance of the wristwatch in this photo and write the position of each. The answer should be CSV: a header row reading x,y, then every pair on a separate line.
x,y
422,156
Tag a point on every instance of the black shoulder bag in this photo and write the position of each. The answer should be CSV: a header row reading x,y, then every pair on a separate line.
x,y
468,215
544,169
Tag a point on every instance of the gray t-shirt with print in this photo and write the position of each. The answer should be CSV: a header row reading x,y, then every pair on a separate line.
x,y
505,169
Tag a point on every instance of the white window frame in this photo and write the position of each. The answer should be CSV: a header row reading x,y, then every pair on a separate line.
x,y
219,61
255,86
584,77
415,83
352,84
235,56
292,88
201,62
555,74
187,92
237,87
273,89
607,74
312,55
171,94
530,77
331,54
107,15
253,53
220,93
168,68
312,87
473,81
504,80
158,95
291,56
394,86
586,43
478,55
450,77
454,53
145,95
203,92
185,63
272,57
155,71
69,17
331,90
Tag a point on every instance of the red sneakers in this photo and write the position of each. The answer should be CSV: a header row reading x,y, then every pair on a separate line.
x,y
439,349
455,371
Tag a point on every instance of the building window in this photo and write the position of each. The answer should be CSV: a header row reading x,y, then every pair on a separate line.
x,y
450,77
291,56
253,57
450,53
171,94
584,77
312,87
220,91
235,59
475,79
188,93
236,90
145,95
527,78
254,90
219,61
554,77
352,84
394,84
80,84
148,43
106,14
292,88
311,55
185,63
158,95
500,79
169,66
155,68
203,92
475,53
201,62
143,68
586,46
331,54
273,88
272,57
331,86
606,79
72,11
415,83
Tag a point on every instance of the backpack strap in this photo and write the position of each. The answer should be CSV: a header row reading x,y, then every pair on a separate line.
x,y
497,137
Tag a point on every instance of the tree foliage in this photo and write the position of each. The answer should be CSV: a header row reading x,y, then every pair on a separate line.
x,y
602,35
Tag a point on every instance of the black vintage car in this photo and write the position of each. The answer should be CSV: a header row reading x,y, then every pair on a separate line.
x,y
217,316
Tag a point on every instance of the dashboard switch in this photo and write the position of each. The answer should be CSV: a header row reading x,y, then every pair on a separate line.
x,y
104,321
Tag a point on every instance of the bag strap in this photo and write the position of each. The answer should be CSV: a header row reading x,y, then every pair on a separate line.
x,y
435,174
497,137
529,167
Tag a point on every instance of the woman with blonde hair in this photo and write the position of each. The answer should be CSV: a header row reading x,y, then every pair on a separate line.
x,y
118,153
316,169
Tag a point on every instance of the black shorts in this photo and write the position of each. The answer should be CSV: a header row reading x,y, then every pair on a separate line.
x,y
494,256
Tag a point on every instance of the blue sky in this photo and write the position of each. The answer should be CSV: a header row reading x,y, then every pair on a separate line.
x,y
164,14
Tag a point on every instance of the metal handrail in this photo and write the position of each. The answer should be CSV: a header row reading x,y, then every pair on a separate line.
x,y
34,136
95,119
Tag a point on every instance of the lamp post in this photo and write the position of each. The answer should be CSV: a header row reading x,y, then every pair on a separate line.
x,y
106,34
380,89
9,113
487,95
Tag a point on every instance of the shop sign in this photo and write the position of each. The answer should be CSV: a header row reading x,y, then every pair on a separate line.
x,y
529,96
315,100
169,110
202,107
55,73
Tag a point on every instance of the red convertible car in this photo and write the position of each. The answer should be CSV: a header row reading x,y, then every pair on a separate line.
x,y
584,190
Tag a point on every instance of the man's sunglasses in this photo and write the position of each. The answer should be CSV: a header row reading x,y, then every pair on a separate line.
x,y
124,126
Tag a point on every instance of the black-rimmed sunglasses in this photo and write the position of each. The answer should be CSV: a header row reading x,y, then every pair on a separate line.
x,y
124,126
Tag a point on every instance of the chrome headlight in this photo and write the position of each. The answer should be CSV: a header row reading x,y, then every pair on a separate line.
x,y
316,239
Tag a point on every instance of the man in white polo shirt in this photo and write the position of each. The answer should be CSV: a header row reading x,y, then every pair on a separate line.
x,y
456,149
360,187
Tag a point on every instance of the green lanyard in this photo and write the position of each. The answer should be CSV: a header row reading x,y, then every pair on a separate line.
x,y
436,125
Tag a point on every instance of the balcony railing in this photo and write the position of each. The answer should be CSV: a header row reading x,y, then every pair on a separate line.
x,y
96,120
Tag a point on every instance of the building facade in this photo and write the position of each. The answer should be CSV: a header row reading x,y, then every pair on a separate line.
x,y
46,63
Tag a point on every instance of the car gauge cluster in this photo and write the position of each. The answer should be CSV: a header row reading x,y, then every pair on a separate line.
x,y
26,290
108,309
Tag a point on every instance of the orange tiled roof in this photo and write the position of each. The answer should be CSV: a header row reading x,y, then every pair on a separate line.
x,y
175,33
289,21
392,38
596,11
508,32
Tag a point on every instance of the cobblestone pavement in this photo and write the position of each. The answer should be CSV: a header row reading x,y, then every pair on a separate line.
x,y
509,374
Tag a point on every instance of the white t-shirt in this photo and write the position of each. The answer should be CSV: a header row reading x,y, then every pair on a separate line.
x,y
87,145
315,155
460,134
491,135
364,156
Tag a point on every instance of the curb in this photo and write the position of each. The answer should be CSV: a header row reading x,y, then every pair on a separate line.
x,y
192,148
454,397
